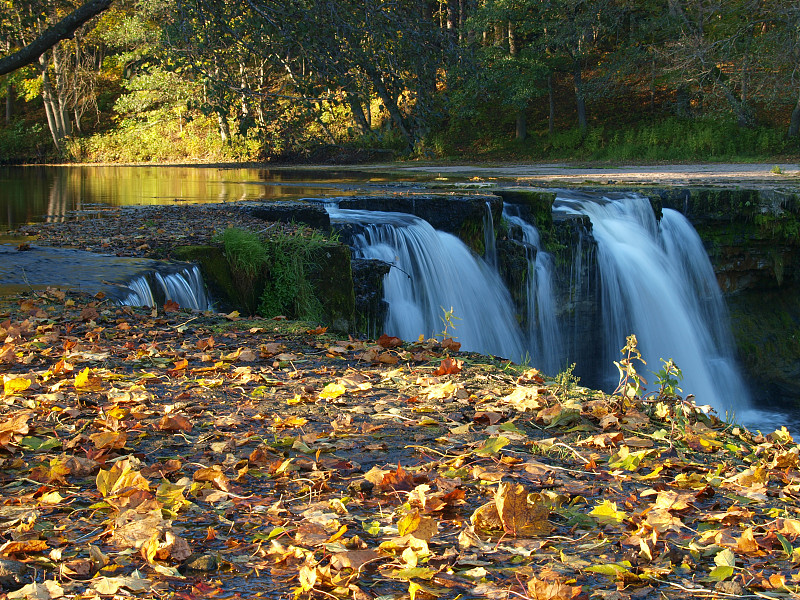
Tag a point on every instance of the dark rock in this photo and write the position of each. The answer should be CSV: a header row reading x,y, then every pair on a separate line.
x,y
199,562
308,213
361,486
13,574
371,308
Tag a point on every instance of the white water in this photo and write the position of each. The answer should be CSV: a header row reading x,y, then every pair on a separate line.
x,y
544,336
657,282
185,287
433,271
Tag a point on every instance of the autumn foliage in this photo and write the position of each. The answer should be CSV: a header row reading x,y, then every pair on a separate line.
x,y
163,454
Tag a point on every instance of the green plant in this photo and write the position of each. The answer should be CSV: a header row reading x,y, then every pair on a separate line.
x,y
447,318
776,169
566,380
667,379
277,270
631,383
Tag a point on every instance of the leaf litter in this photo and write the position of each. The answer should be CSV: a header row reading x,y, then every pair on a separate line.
x,y
169,454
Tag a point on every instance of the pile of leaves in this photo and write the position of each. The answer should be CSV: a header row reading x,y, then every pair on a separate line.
x,y
148,231
165,454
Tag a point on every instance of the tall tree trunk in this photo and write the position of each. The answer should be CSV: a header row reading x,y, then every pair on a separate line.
x,y
522,125
9,103
50,108
577,77
551,117
224,129
794,121
60,91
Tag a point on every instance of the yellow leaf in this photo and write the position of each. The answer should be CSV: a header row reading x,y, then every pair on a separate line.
x,y
520,518
88,381
606,513
14,385
331,391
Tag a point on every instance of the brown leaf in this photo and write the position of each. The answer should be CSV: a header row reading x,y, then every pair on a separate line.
x,y
109,440
353,559
552,588
386,341
520,518
171,306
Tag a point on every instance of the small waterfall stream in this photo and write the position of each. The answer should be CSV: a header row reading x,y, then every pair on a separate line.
x,y
433,271
544,336
657,282
183,285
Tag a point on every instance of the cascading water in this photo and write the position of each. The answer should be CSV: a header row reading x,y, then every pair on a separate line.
x,y
657,282
544,333
654,278
184,286
434,271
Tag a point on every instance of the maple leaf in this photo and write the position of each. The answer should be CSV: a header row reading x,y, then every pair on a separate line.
x,y
519,516
171,306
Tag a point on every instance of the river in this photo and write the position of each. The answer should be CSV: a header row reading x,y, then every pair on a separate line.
x,y
38,193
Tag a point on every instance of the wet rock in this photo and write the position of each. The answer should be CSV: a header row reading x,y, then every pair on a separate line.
x,y
13,574
311,214
361,486
199,562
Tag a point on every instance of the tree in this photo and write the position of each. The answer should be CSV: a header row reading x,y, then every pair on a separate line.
x,y
62,30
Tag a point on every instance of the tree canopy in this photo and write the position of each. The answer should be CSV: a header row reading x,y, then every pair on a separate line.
x,y
278,77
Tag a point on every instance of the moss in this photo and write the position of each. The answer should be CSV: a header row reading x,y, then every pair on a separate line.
x,y
540,204
471,233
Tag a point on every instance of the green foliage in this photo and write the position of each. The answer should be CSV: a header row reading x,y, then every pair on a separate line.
x,y
22,141
448,319
279,266
667,379
566,381
631,383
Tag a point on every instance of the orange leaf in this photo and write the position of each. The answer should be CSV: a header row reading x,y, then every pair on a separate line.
x,y
449,366
174,423
171,306
180,366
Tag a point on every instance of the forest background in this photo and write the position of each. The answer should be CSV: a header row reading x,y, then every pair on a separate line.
x,y
325,80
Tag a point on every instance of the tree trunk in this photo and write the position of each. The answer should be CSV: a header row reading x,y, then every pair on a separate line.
x,y
224,129
577,77
794,121
50,108
359,118
551,117
49,38
9,103
522,125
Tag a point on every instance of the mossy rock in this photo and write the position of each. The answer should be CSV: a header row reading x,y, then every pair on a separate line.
x,y
331,277
538,202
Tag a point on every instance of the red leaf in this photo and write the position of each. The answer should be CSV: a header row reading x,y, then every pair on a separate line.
x,y
387,341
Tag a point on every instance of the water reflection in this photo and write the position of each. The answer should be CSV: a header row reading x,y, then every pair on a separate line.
x,y
30,194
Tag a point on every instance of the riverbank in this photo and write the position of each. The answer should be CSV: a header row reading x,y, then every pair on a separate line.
x,y
163,452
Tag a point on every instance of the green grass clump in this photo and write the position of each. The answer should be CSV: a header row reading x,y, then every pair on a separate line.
x,y
276,270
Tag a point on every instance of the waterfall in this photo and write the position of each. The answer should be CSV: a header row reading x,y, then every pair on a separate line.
x,y
657,282
652,278
183,286
544,336
433,271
